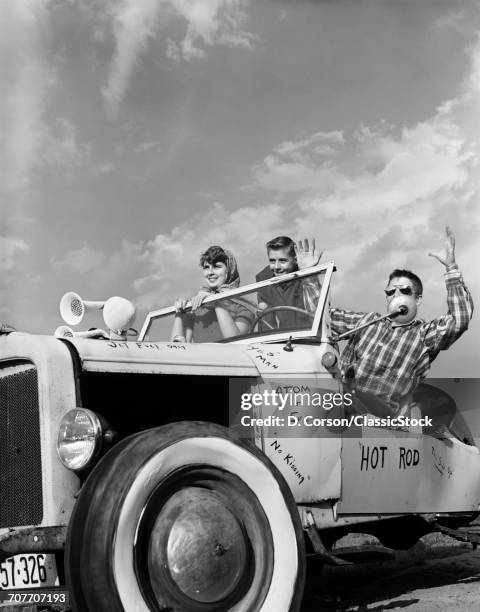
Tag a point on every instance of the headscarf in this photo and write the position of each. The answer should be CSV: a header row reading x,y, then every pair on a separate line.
x,y
231,282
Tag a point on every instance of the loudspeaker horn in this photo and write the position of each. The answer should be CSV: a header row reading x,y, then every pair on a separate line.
x,y
67,332
73,308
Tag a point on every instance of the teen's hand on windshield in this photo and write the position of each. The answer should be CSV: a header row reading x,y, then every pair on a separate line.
x,y
307,255
198,299
447,255
180,305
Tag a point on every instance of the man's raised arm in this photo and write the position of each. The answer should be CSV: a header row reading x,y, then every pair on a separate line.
x,y
443,332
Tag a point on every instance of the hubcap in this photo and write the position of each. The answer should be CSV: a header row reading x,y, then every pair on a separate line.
x,y
199,541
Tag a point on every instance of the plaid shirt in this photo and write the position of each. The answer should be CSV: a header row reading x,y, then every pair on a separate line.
x,y
391,361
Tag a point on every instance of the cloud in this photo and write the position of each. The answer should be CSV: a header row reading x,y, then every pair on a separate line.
x,y
208,23
173,51
62,147
10,247
11,270
103,168
82,260
300,165
24,79
319,140
143,147
276,175
99,274
28,74
410,176
386,197
134,24
212,22
473,80
456,19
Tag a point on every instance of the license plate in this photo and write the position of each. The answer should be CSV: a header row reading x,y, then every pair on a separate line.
x,y
28,571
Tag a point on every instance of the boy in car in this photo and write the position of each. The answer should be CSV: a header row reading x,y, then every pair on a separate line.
x,y
284,256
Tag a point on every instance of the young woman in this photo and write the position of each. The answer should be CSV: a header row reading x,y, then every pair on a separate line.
x,y
222,319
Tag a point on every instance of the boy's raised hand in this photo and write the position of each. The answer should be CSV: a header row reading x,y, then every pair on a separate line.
x,y
307,255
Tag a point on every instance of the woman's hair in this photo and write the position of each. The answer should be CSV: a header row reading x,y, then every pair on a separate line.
x,y
215,254
212,255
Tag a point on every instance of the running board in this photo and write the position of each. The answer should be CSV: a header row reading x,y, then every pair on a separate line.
x,y
320,550
470,533
347,555
365,553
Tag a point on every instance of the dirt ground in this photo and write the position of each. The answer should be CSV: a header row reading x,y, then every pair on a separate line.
x,y
437,575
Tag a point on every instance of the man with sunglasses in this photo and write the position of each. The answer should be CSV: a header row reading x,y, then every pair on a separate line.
x,y
389,358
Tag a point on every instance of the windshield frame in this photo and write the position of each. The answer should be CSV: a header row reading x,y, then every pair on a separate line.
x,y
328,268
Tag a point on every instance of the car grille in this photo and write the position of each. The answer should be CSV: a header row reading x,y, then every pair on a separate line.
x,y
20,460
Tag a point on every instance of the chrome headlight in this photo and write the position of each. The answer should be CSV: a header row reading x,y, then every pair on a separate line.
x,y
79,438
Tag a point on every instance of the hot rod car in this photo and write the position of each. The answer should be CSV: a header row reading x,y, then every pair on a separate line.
x,y
145,474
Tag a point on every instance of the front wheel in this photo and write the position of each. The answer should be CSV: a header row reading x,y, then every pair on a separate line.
x,y
185,517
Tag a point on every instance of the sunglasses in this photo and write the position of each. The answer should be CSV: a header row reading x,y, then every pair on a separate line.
x,y
404,290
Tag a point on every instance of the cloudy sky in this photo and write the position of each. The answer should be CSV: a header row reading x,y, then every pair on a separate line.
x,y
136,134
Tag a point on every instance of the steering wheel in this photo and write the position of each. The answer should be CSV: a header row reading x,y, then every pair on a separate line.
x,y
268,311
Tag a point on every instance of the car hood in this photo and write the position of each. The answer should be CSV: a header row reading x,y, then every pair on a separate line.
x,y
164,357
